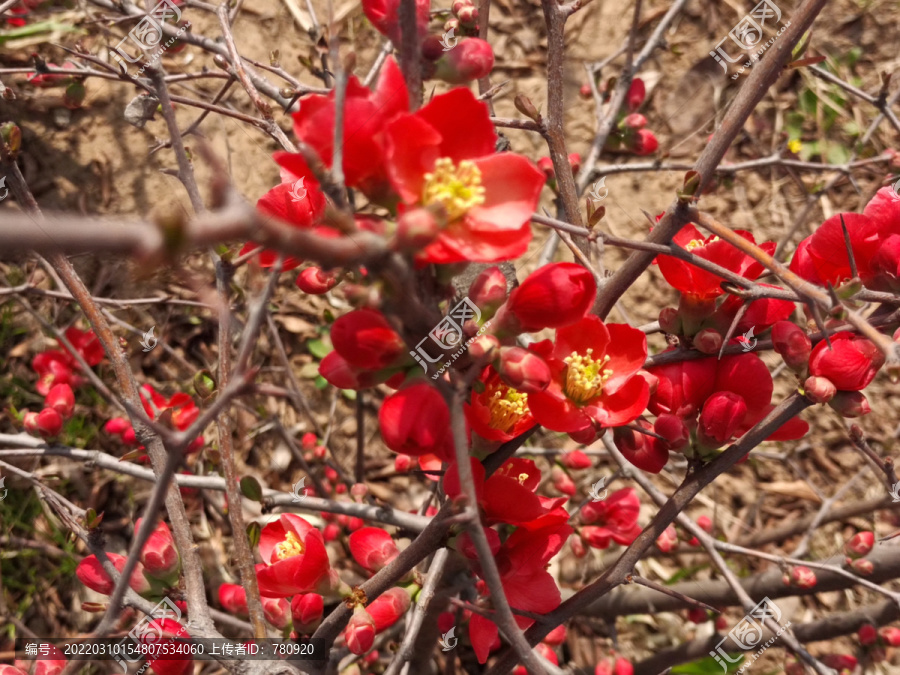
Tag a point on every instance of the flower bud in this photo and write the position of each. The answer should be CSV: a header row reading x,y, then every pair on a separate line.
x,y
526,107
635,121
29,421
553,296
645,143
159,556
891,636
233,599
867,634
670,321
468,16
372,548
801,577
61,399
458,5
557,636
307,610
862,567
585,91
843,663
636,94
360,631
673,429
668,540
577,546
574,161
316,281
402,463
562,481
721,418
489,290
471,59
389,607
819,389
792,343
49,423
708,341
860,545
358,491
576,459
850,404
523,370
698,615
545,164
484,346
415,230
277,611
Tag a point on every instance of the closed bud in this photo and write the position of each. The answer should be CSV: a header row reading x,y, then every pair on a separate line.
x,y
670,321
12,138
708,341
585,91
316,281
645,143
49,423
402,463
850,404
636,94
484,347
277,611
557,636
451,24
389,607
553,296
526,107
489,290
523,370
307,610
801,577
468,16
360,631
843,663
29,421
868,635
562,481
159,556
668,540
891,636
415,230
860,545
792,343
372,547
721,417
576,459
792,666
458,5
577,546
698,615
470,60
862,567
635,121
673,429
545,164
61,399
819,389
233,599
574,161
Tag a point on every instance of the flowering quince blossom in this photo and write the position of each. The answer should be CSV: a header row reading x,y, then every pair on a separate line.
x,y
613,518
416,421
295,558
443,156
184,413
91,573
595,382
874,240
372,548
851,362
498,412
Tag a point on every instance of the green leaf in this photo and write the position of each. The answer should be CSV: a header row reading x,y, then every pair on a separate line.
x,y
706,666
349,394
318,348
321,382
251,488
254,530
684,573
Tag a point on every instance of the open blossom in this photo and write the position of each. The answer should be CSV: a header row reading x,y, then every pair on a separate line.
x,y
614,519
443,156
367,351
851,364
497,412
294,555
594,385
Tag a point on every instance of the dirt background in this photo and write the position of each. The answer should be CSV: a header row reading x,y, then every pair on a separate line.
x,y
91,161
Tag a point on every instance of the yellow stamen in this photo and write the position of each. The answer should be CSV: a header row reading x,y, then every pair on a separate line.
x,y
699,243
585,376
290,547
457,189
522,478
507,407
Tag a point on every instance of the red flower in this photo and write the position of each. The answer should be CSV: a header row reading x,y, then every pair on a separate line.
x,y
184,411
615,518
385,17
159,556
389,607
443,155
416,421
307,610
645,452
498,412
92,575
233,599
365,116
691,280
553,296
295,557
51,664
852,363
366,340
372,548
594,383
360,631
86,344
159,629
760,314
54,367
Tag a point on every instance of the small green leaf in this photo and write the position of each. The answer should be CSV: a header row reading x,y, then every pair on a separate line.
x,y
251,488
318,348
253,532
707,666
321,382
349,394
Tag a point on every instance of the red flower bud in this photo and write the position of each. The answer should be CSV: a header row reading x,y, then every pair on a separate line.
x,y
673,429
160,557
562,481
416,229
471,59
635,121
557,636
389,607
574,161
576,460
862,567
372,548
117,426
468,17
402,463
708,341
385,17
307,610
91,573
49,423
523,370
698,615
360,631
850,404
366,340
233,599
489,290
891,636
416,421
458,5
645,452
316,281
792,343
819,389
585,91
645,143
852,363
29,421
868,635
721,418
668,540
577,546
277,611
860,545
843,663
545,164
801,577
636,94
670,321
484,346
556,295
61,399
